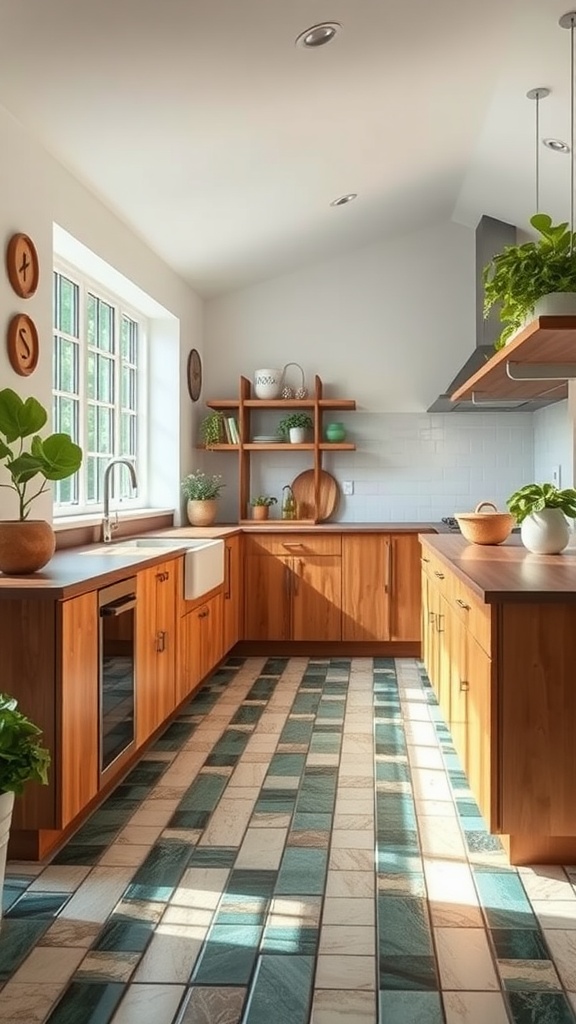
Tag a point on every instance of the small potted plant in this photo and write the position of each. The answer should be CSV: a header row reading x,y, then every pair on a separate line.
x,y
532,279
201,492
261,505
542,511
22,760
295,427
26,545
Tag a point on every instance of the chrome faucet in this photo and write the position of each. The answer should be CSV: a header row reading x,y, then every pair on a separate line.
x,y
108,526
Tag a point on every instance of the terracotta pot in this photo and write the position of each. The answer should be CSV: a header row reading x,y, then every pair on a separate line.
x,y
25,546
260,511
6,805
202,513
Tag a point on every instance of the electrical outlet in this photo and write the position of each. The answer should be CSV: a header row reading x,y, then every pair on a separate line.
x,y
556,476
347,487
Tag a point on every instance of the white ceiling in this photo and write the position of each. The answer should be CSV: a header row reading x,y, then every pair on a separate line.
x,y
221,143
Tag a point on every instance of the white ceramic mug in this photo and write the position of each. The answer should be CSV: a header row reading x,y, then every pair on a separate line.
x,y
268,383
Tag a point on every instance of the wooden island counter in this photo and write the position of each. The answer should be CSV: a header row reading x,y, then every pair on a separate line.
x,y
499,645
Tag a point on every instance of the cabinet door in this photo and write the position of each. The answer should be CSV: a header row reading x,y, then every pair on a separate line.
x,y
232,593
212,635
365,594
316,597
459,684
405,587
201,644
480,766
79,751
155,648
267,595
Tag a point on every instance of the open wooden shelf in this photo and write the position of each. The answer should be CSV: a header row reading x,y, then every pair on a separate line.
x,y
275,523
244,404
547,341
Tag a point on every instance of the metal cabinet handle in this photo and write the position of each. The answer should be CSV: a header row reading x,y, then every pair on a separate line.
x,y
462,604
440,623
287,580
296,577
388,567
440,575
162,576
161,641
227,591
464,686
431,617
424,559
292,545
204,613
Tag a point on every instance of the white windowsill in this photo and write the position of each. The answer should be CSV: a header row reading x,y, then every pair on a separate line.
x,y
95,519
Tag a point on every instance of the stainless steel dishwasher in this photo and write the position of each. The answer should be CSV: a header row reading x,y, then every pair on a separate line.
x,y
117,673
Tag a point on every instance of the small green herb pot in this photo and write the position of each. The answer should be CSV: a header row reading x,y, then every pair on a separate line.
x,y
335,432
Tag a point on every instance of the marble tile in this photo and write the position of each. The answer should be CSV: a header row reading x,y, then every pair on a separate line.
x,y
562,946
263,819
97,896
350,883
547,882
212,1005
249,774
105,966
229,821
343,910
346,972
343,1006
122,855
356,822
47,965
291,911
171,955
149,1004
349,840
553,914
262,849
342,859
309,837
59,878
22,1003
464,959
540,1006
475,1008
347,940
528,975
397,1007
139,835
70,933
200,888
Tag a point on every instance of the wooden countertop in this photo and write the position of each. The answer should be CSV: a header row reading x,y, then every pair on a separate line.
x,y
74,571
507,572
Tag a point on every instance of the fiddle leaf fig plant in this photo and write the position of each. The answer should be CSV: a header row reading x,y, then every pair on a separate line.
x,y
54,458
535,497
521,274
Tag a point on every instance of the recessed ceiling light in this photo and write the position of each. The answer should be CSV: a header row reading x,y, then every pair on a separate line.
x,y
318,35
557,145
342,200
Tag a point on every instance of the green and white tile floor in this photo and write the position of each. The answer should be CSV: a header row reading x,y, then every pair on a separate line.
x,y
299,846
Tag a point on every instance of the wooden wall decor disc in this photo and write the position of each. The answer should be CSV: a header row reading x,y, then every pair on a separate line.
x,y
23,344
22,265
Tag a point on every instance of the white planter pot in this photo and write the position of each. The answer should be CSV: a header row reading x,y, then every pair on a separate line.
x,y
268,383
546,532
556,304
6,805
297,435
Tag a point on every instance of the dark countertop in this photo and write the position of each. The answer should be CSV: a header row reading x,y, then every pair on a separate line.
x,y
508,572
74,571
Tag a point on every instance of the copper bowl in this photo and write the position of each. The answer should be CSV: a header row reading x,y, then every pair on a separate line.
x,y
485,527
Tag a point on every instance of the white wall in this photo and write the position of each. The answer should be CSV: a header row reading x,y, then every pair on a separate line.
x,y
388,325
35,192
553,444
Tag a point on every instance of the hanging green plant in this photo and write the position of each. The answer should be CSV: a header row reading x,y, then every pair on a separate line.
x,y
212,429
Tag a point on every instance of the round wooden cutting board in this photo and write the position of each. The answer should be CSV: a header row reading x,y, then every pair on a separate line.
x,y
303,490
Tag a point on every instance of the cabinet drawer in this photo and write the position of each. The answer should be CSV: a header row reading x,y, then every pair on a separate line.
x,y
293,544
470,610
437,572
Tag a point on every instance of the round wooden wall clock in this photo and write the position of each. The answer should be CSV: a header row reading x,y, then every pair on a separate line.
x,y
22,265
23,345
194,374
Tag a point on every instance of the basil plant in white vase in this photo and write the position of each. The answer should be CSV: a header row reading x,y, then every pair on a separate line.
x,y
542,511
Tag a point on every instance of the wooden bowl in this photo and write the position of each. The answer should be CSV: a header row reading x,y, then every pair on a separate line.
x,y
485,527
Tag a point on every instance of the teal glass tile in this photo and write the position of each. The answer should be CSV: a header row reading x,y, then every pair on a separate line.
x,y
189,819
11,893
392,771
310,802
228,748
521,944
311,822
39,904
325,743
89,1002
482,842
227,958
247,714
410,1008
302,872
333,687
332,709
504,900
274,666
146,773
306,703
18,936
94,833
396,862
458,779
262,689
287,764
213,857
242,909
393,814
175,735
467,808
251,883
275,801
234,661
477,825
290,940
203,703
224,675
281,991
386,664
125,934
81,855
408,973
204,793
395,884
403,926
160,873
296,731
540,1008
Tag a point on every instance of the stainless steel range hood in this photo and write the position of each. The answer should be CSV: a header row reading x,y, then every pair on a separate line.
x,y
491,237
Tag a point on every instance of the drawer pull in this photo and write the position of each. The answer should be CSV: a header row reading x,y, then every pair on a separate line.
x,y
440,623
440,575
464,686
462,604
431,617
424,559
294,545
204,613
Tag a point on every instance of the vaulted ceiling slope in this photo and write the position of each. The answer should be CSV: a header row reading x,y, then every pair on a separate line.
x,y
221,143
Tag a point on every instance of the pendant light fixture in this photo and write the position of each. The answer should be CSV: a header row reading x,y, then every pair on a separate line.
x,y
537,94
569,21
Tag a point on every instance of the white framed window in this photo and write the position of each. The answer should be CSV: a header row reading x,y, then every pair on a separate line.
x,y
99,390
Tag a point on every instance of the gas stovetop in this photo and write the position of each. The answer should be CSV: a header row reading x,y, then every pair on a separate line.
x,y
451,523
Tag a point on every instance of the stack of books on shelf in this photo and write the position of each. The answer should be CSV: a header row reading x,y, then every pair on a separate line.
x,y
231,429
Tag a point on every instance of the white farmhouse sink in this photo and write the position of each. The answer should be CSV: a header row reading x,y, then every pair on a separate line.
x,y
203,561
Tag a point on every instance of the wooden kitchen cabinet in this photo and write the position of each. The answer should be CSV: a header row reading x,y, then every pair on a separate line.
x,y
381,587
155,647
201,643
293,587
79,753
233,592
